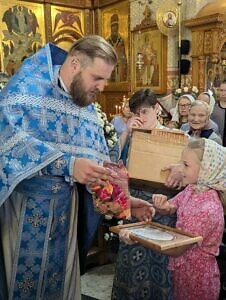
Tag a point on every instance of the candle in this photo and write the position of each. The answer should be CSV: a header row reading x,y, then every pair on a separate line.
x,y
116,109
119,109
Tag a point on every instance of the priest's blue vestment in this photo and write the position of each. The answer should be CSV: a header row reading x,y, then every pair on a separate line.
x,y
42,133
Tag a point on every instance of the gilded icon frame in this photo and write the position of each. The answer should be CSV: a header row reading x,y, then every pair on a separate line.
x,y
19,40
121,14
152,45
67,24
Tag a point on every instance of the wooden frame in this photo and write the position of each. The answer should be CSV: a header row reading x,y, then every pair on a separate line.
x,y
22,32
114,28
181,239
152,44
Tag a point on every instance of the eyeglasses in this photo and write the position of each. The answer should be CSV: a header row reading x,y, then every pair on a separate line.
x,y
184,105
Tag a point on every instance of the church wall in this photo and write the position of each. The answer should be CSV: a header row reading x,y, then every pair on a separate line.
x,y
189,9
90,15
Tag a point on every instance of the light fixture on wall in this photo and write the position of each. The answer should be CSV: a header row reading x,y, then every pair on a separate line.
x,y
140,58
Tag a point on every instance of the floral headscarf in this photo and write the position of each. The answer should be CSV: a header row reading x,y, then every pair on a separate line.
x,y
176,117
212,173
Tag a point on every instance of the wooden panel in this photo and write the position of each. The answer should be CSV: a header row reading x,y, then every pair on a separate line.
x,y
158,148
88,22
102,3
48,23
208,37
70,3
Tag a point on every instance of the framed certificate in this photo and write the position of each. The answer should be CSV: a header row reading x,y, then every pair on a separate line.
x,y
162,238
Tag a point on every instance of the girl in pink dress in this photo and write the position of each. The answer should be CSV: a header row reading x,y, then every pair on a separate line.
x,y
200,212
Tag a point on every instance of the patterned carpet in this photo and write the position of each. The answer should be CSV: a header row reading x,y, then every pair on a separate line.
x,y
96,283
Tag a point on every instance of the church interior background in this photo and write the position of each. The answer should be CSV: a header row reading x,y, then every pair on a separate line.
x,y
151,52
164,45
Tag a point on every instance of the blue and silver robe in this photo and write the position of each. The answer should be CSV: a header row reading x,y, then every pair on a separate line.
x,y
42,133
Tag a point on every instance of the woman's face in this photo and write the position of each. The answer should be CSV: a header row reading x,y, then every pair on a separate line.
x,y
148,116
198,117
184,106
191,166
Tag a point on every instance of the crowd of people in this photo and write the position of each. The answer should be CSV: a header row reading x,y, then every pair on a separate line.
x,y
53,149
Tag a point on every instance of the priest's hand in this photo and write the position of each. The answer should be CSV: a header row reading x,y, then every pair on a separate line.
x,y
160,201
89,172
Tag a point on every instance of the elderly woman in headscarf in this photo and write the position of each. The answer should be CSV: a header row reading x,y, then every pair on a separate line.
x,y
198,120
180,114
209,99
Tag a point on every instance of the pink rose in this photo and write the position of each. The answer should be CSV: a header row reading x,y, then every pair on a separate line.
x,y
103,194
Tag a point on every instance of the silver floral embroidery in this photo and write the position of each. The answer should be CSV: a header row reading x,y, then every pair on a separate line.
x,y
59,163
56,188
62,219
25,285
36,220
54,278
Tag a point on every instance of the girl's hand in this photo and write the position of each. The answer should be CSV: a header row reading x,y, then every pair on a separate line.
x,y
142,210
162,205
124,236
160,202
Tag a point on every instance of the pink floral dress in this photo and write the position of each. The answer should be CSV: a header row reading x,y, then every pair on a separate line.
x,y
195,273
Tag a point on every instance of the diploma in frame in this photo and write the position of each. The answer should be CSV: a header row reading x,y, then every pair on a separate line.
x,y
158,237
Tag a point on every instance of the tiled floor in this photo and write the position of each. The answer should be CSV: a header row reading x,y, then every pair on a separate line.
x,y
97,283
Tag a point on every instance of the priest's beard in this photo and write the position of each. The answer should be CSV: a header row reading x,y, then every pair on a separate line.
x,y
80,96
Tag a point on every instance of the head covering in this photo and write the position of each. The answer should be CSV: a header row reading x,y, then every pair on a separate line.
x,y
212,172
212,100
114,19
176,117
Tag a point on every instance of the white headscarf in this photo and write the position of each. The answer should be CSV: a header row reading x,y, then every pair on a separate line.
x,y
176,117
212,100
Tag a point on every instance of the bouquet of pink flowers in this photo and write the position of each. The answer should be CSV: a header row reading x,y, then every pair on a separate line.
x,y
113,198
